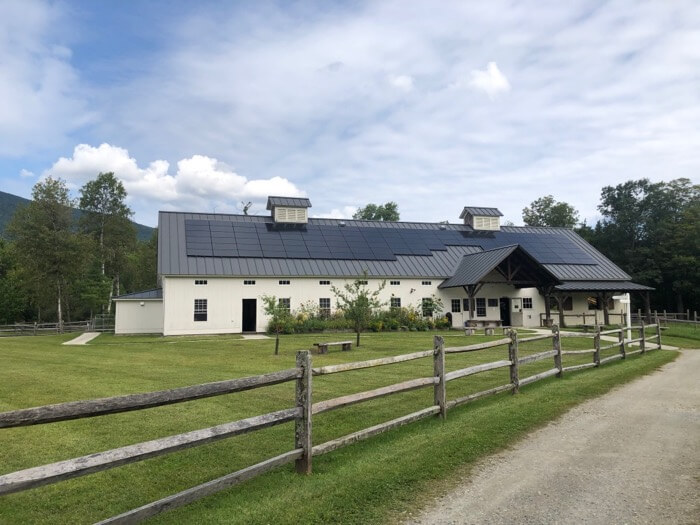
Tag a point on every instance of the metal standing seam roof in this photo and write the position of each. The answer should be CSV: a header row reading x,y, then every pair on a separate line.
x,y
155,294
173,258
295,202
482,212
474,267
602,286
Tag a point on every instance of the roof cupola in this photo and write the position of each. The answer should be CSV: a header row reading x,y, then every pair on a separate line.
x,y
293,210
482,218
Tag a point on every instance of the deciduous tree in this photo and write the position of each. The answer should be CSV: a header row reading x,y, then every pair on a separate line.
x,y
278,315
47,247
381,212
106,218
358,302
546,211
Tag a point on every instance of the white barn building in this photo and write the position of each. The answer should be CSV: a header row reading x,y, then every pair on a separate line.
x,y
214,269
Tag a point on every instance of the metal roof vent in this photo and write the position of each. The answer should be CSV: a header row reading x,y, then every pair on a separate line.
x,y
292,210
482,218
443,227
341,223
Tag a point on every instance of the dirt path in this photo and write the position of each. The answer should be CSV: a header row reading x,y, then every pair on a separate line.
x,y
631,456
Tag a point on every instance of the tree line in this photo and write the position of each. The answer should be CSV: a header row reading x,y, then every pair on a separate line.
x,y
649,229
56,268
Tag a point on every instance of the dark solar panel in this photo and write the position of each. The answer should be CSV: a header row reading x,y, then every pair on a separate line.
x,y
243,239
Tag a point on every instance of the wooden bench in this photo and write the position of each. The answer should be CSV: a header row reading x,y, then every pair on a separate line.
x,y
323,347
483,323
471,330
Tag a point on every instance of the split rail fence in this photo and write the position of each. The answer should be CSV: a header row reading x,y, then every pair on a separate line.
x,y
302,413
43,328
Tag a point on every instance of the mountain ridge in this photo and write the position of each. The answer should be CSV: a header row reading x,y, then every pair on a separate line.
x,y
9,204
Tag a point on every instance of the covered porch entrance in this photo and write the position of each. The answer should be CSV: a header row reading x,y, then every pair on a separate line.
x,y
511,267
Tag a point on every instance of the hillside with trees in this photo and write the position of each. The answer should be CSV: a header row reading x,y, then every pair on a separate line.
x,y
9,204
60,267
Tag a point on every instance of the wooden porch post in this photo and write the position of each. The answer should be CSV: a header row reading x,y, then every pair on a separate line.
x,y
606,313
560,302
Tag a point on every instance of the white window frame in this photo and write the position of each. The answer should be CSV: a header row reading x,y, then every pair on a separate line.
x,y
201,308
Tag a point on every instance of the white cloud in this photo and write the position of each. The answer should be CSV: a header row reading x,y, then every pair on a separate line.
x,y
41,95
402,82
200,183
26,174
315,99
346,212
491,81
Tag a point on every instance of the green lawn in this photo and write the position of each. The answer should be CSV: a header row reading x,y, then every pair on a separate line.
x,y
367,482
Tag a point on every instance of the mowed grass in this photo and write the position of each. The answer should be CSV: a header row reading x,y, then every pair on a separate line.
x,y
682,335
370,481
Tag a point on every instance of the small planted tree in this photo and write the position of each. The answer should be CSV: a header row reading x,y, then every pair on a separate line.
x,y
279,315
358,302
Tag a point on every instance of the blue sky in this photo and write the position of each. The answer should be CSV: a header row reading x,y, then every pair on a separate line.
x,y
202,105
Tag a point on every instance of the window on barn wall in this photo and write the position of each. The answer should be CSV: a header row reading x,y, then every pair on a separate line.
x,y
362,282
249,282
455,305
284,281
426,283
465,305
427,306
395,302
200,309
527,302
324,283
480,307
200,282
394,283
324,306
493,303
286,303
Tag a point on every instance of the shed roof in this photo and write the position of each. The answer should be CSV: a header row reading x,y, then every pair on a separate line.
x,y
293,202
482,212
602,286
154,294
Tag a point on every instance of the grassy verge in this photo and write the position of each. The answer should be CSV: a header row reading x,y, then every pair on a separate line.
x,y
681,335
367,482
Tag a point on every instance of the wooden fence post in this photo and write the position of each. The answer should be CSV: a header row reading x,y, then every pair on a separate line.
x,y
642,345
556,345
513,358
302,429
596,345
621,340
658,334
440,388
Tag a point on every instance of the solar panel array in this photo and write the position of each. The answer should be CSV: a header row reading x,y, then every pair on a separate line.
x,y
245,239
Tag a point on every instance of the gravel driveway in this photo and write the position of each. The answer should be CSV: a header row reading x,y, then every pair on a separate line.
x,y
631,456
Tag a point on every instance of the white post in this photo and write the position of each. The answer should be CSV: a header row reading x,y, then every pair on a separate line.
x,y
629,315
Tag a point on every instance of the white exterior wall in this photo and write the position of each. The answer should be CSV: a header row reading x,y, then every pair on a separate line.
x,y
225,294
138,316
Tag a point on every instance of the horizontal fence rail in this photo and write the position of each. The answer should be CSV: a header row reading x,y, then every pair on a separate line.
x,y
302,413
113,405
